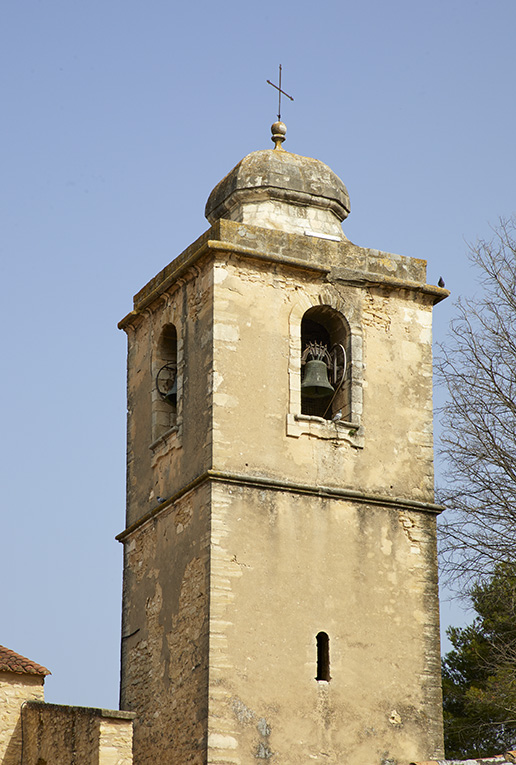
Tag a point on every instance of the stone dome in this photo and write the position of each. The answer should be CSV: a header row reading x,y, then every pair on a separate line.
x,y
276,189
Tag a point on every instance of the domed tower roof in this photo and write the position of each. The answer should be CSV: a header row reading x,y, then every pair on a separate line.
x,y
273,188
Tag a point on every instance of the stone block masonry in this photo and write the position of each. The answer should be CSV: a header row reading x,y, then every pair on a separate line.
x,y
15,690
64,735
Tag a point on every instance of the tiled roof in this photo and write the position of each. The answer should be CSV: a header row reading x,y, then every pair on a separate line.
x,y
509,758
13,662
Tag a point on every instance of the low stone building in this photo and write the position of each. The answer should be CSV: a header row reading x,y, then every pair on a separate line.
x,y
35,733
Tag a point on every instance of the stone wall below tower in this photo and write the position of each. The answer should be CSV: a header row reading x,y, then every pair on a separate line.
x,y
288,566
56,734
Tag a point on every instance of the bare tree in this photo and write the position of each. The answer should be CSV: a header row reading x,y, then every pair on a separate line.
x,y
478,440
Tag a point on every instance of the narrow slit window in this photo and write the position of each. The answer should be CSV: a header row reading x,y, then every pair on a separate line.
x,y
323,657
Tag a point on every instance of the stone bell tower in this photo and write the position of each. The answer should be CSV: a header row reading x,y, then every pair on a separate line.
x,y
280,580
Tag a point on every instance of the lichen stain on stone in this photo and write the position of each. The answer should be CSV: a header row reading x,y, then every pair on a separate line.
x,y
243,714
263,752
263,727
245,232
246,716
389,264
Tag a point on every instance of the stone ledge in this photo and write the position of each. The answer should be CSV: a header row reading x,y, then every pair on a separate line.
x,y
276,484
343,261
115,714
317,427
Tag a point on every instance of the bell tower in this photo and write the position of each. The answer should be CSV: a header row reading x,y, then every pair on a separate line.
x,y
280,578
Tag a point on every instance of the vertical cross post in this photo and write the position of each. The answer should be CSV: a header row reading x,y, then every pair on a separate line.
x,y
280,92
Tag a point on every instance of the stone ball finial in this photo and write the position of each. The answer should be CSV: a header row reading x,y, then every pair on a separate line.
x,y
279,131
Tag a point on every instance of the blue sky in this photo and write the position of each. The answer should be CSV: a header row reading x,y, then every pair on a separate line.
x,y
118,120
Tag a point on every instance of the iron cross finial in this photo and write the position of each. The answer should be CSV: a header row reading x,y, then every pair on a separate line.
x,y
280,91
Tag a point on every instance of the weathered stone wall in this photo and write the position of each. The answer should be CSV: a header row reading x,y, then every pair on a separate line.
x,y
15,689
293,218
391,451
165,632
63,735
159,468
286,567
116,741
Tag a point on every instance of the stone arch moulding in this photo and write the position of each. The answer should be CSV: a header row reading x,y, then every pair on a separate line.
x,y
302,425
166,418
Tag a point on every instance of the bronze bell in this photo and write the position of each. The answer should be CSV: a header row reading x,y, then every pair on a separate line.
x,y
171,395
315,382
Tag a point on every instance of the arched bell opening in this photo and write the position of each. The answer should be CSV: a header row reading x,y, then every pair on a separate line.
x,y
164,409
325,364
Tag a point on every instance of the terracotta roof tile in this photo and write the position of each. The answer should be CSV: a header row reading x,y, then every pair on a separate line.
x,y
13,662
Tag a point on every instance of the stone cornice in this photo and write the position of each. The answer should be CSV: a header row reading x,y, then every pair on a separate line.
x,y
337,261
293,487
